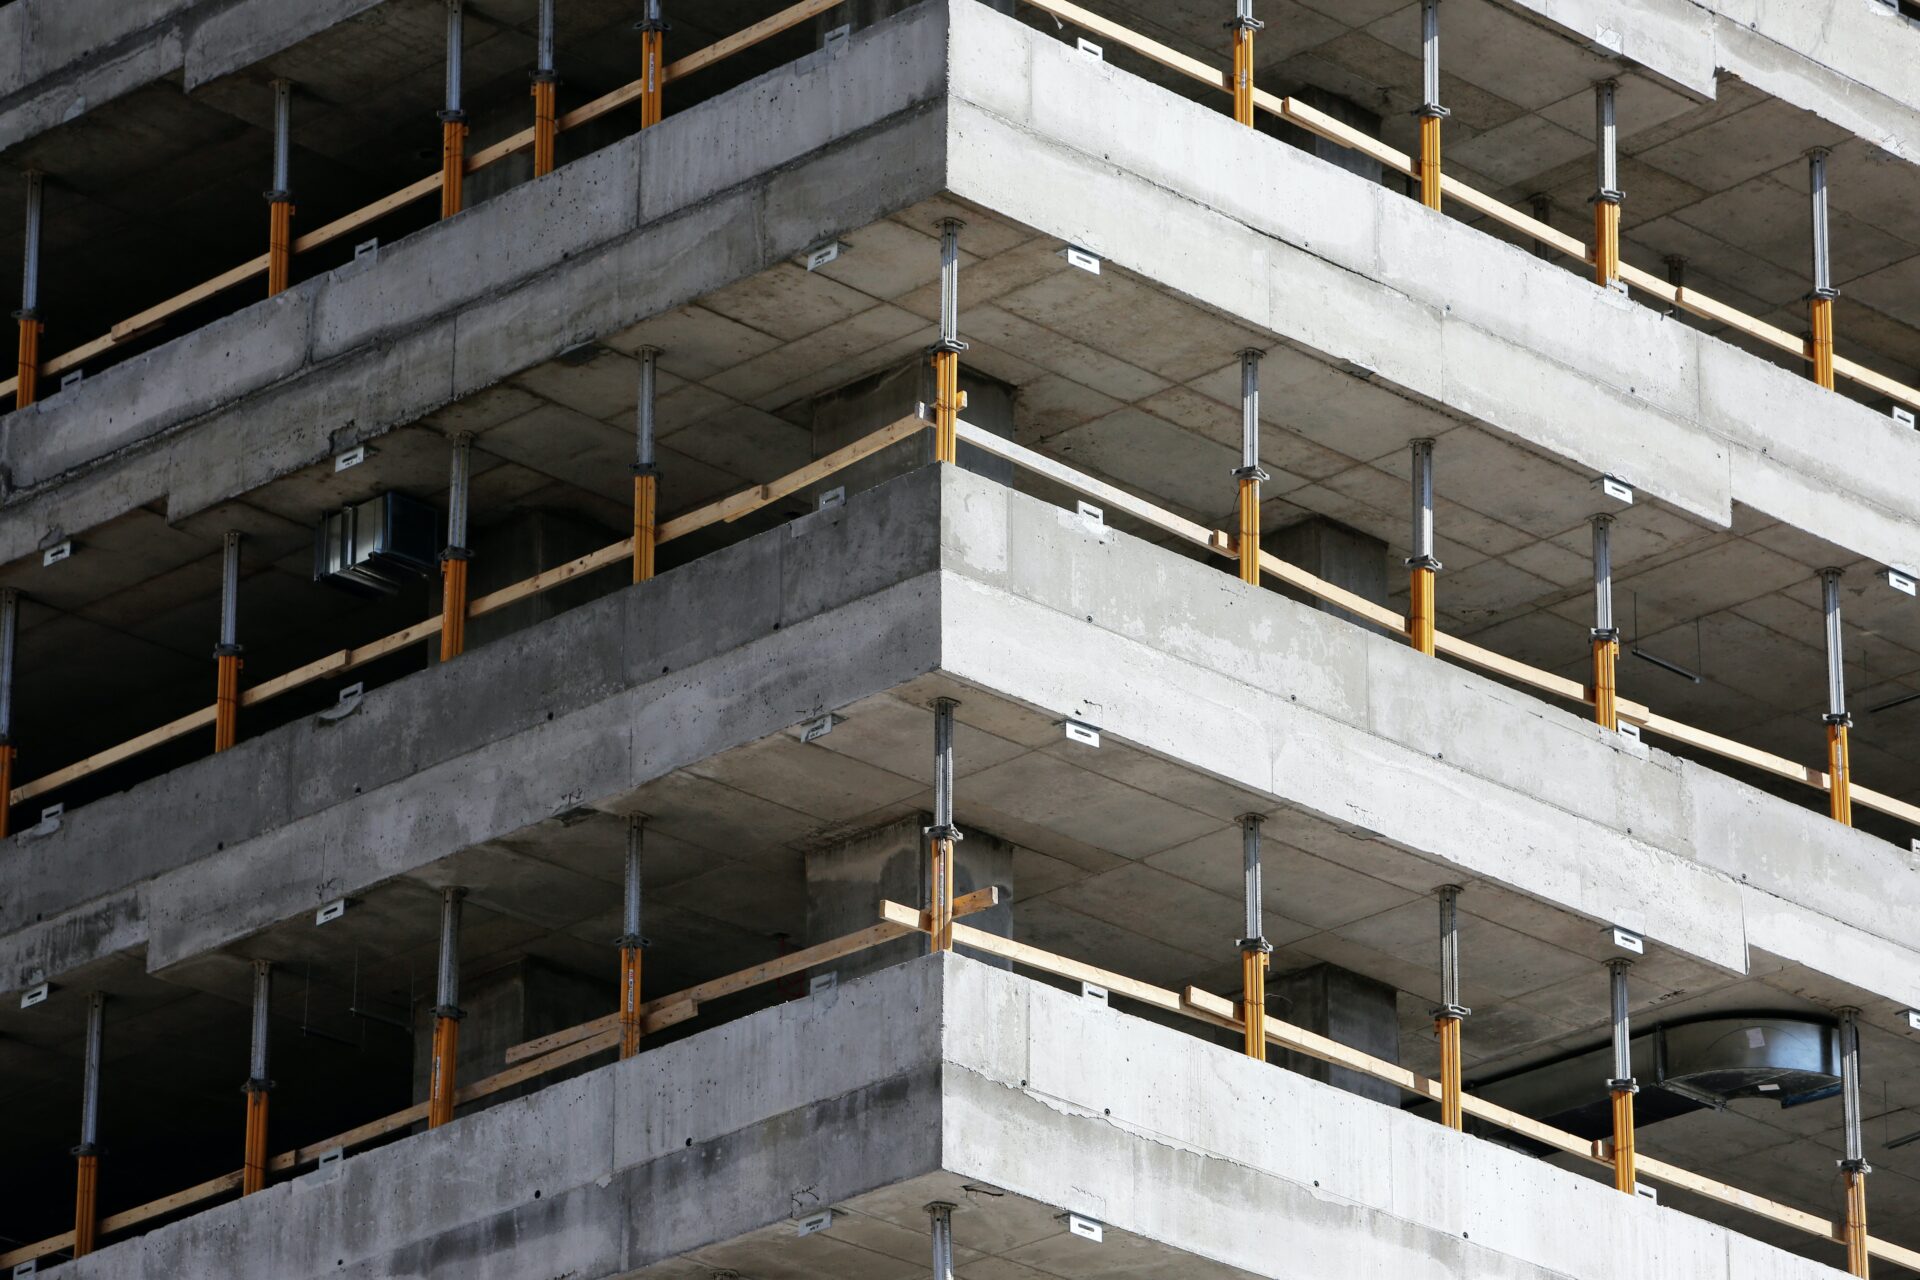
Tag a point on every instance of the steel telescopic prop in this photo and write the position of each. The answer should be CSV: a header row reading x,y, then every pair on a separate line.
x,y
1420,608
947,400
1622,1086
253,1169
1820,301
546,120
1431,113
942,835
631,943
941,1215
646,470
1447,1018
1839,750
1607,195
446,1013
86,1196
26,390
1248,473
1855,1165
653,51
453,119
453,561
226,655
280,196
9,632
1243,26
1606,636
1255,950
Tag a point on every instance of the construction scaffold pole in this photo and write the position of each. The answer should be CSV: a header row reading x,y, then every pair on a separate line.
x,y
646,469
1248,473
9,633
1606,636
441,1083
1431,113
1623,1085
86,1197
1820,300
1420,606
546,120
1243,26
1255,950
253,1168
1447,1018
1855,1165
26,390
453,560
226,655
453,119
940,1214
631,942
943,834
1607,195
947,400
1839,723
280,195
653,52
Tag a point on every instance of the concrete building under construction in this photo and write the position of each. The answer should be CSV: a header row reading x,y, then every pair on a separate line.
x,y
999,639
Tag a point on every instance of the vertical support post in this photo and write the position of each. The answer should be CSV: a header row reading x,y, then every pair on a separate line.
x,y
546,120
1248,473
453,560
1677,277
1607,194
947,400
280,195
86,1196
253,1169
1431,113
1541,206
226,655
453,119
653,50
9,631
1839,752
1622,1086
1420,607
27,390
631,943
1820,301
943,834
446,1013
1255,950
1447,1018
1855,1165
646,471
1606,636
941,1214
1243,26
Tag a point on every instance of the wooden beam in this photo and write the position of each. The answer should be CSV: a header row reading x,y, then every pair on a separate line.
x,y
415,1114
745,38
1059,966
1501,665
1152,50
1294,576
200,719
367,214
547,579
1296,112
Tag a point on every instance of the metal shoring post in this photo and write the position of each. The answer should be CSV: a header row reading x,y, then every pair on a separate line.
x,y
280,196
1855,1165
226,655
631,943
1243,26
453,119
1677,277
1255,950
653,48
1541,207
9,631
1447,1018
453,561
941,1214
26,390
546,124
1248,473
446,1013
1839,751
1607,196
1420,608
942,835
1820,301
1622,1086
86,1196
947,401
253,1169
646,470
1606,636
1431,113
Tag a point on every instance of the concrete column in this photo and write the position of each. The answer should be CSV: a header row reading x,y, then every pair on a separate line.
x,y
503,1007
846,881
861,408
1356,1011
1345,557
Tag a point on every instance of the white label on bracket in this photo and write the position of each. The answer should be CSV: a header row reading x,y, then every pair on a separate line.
x,y
1085,1227
820,257
1092,515
813,729
1901,582
1617,489
332,911
366,249
1628,940
332,1155
55,554
1094,992
1078,257
814,1222
72,379
351,458
352,691
1084,734
835,497
1903,415
35,995
1913,1019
